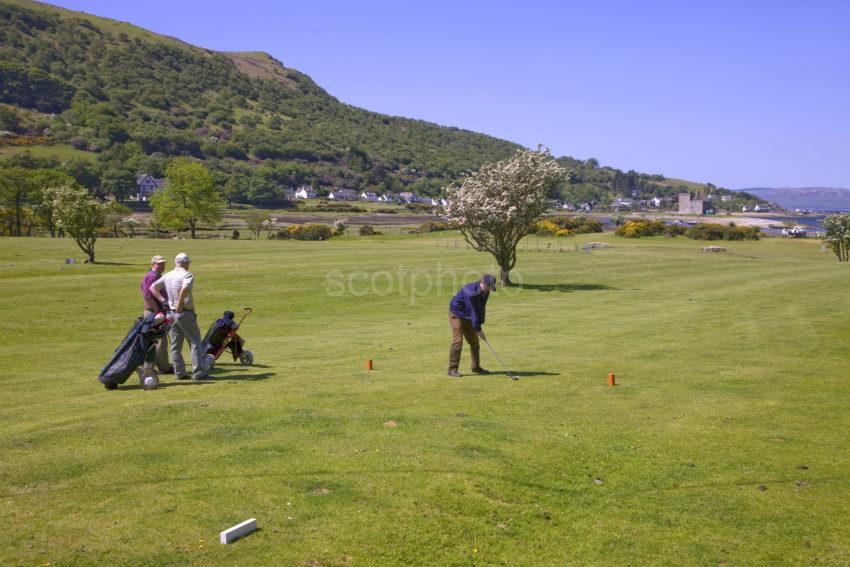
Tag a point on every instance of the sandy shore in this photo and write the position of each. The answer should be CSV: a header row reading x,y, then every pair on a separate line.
x,y
740,220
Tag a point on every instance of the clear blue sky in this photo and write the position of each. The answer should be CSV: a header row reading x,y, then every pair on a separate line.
x,y
740,94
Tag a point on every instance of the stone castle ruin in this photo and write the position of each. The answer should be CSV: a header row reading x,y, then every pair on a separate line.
x,y
690,205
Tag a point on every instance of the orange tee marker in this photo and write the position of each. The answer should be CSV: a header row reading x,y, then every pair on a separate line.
x,y
369,364
611,382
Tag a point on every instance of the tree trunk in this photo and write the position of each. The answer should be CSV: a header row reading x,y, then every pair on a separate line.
x,y
505,277
192,227
18,213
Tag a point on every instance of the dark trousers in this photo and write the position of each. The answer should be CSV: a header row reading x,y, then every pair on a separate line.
x,y
462,328
162,363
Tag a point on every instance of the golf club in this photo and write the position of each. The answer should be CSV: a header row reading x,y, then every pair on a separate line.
x,y
505,366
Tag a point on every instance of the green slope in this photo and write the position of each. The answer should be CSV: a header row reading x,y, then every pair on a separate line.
x,y
133,99
110,83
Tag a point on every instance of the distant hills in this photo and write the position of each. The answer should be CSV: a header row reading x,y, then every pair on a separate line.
x,y
814,198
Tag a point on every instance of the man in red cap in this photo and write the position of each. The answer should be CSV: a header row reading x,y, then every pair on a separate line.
x,y
152,305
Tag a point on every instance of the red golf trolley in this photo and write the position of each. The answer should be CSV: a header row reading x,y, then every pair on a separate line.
x,y
222,336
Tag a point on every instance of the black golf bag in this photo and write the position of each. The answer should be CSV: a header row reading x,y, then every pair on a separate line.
x,y
222,336
216,341
137,348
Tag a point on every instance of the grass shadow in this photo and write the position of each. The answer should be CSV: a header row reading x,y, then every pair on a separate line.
x,y
235,366
99,263
564,287
162,385
524,373
247,377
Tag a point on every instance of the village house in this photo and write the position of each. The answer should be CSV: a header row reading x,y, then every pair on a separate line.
x,y
289,194
761,209
369,196
623,203
343,195
388,197
656,201
305,192
408,197
147,184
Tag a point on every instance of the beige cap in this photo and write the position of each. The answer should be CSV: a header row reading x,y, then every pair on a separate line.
x,y
157,259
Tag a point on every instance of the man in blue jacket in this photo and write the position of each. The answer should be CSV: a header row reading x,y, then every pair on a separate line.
x,y
466,315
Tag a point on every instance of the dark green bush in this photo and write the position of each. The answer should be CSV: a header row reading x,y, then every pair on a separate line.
x,y
712,231
434,226
368,230
338,208
674,230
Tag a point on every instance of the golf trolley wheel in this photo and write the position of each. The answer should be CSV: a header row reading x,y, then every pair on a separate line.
x,y
209,362
148,379
246,358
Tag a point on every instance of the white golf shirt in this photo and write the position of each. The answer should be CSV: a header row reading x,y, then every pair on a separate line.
x,y
174,281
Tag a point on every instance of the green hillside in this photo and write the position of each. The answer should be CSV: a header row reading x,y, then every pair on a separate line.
x,y
126,94
105,100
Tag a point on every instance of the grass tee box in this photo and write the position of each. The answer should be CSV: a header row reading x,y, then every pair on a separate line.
x,y
723,441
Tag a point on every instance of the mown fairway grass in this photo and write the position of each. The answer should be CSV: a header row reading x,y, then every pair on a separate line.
x,y
732,375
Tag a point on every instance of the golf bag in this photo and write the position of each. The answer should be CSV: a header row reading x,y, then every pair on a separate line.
x,y
222,336
137,348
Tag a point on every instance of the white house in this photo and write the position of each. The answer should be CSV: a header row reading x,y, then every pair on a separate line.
x,y
305,193
408,197
369,196
147,184
656,201
623,202
761,209
343,195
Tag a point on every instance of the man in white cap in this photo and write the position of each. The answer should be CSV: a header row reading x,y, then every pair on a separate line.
x,y
152,305
178,285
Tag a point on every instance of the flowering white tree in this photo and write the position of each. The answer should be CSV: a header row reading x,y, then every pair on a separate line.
x,y
270,224
837,235
132,223
498,205
155,225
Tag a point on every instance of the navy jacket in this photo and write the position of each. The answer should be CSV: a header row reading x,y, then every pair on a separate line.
x,y
470,303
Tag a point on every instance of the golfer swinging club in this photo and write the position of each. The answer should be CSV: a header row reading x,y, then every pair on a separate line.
x,y
466,315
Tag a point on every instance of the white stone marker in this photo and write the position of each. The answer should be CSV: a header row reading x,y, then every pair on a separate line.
x,y
239,530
